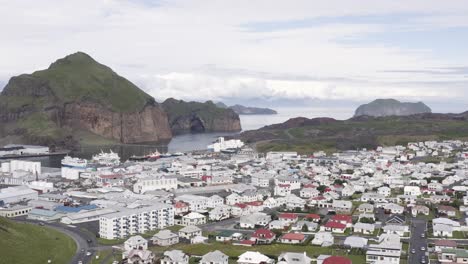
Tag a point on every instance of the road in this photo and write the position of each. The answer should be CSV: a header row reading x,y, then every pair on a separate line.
x,y
80,237
418,228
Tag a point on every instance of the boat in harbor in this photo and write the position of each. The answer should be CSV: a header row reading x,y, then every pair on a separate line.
x,y
107,159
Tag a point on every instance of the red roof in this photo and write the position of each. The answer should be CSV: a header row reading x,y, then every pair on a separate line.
x,y
310,185
288,216
341,218
180,204
294,236
331,224
110,176
284,185
446,243
256,203
337,260
241,205
313,216
263,233
247,242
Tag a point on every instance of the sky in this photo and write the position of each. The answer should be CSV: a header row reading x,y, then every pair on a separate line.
x,y
268,53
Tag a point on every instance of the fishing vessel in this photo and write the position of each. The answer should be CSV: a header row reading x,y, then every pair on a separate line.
x,y
108,159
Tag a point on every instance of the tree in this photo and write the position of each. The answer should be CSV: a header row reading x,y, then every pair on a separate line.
x,y
322,188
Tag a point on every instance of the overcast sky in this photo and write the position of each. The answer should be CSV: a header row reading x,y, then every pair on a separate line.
x,y
339,52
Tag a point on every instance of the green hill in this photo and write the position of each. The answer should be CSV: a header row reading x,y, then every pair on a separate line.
x,y
28,243
78,99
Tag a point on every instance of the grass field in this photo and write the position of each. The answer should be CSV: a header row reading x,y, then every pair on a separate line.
x,y
273,250
28,243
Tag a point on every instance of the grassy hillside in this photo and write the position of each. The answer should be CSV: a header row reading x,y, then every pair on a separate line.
x,y
27,243
177,108
76,77
356,133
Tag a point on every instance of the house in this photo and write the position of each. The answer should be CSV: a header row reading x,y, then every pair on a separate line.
x,y
189,232
294,258
334,227
139,256
342,206
313,217
278,225
323,239
453,256
270,202
288,218
366,208
304,225
292,238
447,210
214,257
193,218
219,213
165,238
254,220
135,242
293,202
355,242
364,228
198,239
396,229
440,245
412,190
181,208
393,208
225,235
251,257
436,199
385,191
263,236
282,189
343,219
396,219
174,257
419,209
337,260
309,193
387,250
441,230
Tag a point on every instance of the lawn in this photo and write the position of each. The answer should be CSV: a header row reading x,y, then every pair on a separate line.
x,y
273,250
117,256
28,243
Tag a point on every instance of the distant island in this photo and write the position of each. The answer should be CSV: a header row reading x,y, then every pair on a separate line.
x,y
248,110
391,107
380,123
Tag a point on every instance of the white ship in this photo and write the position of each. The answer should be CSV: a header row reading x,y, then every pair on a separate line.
x,y
107,159
71,162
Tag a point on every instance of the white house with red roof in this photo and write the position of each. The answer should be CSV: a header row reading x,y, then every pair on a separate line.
x,y
292,238
335,227
263,236
343,219
288,218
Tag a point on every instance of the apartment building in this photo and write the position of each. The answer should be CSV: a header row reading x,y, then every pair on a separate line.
x,y
146,184
136,221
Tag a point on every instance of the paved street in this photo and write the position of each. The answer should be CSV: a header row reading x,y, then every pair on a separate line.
x,y
418,227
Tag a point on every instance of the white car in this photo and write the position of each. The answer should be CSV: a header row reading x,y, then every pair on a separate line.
x,y
423,248
88,253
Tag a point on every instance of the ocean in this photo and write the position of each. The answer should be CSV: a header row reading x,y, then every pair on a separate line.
x,y
191,142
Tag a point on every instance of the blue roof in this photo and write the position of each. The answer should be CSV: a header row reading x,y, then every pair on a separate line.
x,y
69,209
42,212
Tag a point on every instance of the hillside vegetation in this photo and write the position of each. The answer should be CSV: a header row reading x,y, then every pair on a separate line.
x,y
28,243
312,135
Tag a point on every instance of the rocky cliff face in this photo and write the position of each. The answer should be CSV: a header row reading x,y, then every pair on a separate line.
x,y
195,117
77,94
391,107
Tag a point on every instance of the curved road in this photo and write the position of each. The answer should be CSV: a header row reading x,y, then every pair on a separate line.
x,y
80,237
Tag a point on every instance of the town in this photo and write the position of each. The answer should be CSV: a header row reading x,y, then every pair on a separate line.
x,y
398,204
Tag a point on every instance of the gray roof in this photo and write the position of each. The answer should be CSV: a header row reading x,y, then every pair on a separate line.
x,y
214,256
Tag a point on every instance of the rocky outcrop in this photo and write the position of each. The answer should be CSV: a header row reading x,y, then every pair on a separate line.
x,y
391,107
248,110
196,117
148,125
